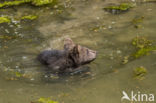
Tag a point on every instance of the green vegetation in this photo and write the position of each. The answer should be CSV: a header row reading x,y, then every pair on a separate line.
x,y
18,74
43,2
46,100
136,21
33,2
119,8
143,46
8,37
125,60
4,20
141,42
13,3
29,17
144,51
123,6
98,28
140,72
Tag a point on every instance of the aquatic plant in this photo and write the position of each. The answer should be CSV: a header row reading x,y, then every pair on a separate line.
x,y
98,28
143,46
141,42
115,9
140,72
46,100
126,59
29,17
33,2
42,2
144,51
12,74
13,3
136,21
8,37
5,20
18,74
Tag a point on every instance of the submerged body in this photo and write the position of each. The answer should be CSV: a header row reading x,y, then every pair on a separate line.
x,y
67,60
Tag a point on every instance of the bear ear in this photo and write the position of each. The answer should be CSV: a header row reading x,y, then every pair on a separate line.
x,y
76,50
68,44
74,54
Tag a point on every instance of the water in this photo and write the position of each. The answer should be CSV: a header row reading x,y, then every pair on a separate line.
x,y
24,79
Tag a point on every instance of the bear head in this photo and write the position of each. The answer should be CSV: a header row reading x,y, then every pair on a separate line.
x,y
79,54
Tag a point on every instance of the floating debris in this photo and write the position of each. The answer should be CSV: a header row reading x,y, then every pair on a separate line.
x,y
144,51
5,20
8,37
29,17
141,42
46,100
137,21
116,9
18,74
13,3
33,2
43,2
140,72
143,46
125,60
16,21
98,28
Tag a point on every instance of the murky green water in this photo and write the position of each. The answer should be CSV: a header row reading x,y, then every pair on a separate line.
x,y
23,79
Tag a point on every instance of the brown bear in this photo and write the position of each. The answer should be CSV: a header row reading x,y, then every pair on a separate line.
x,y
72,57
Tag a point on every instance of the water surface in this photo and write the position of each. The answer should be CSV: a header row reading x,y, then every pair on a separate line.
x,y
24,79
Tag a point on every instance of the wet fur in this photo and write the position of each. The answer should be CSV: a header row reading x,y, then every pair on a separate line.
x,y
67,60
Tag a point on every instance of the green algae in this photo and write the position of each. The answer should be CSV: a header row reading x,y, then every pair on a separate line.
x,y
29,17
143,46
126,59
46,100
43,2
98,28
8,37
12,74
137,21
144,51
13,3
141,42
18,74
140,72
33,2
115,9
5,20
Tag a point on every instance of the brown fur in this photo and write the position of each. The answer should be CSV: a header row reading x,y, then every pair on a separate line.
x,y
68,59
